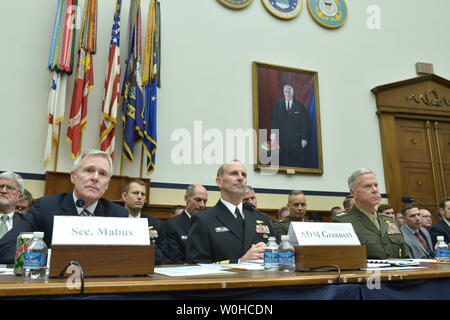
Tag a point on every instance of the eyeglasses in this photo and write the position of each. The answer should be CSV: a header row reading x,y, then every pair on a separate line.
x,y
8,188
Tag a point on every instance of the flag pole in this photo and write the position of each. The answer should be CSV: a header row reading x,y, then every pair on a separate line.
x,y
121,164
142,159
57,149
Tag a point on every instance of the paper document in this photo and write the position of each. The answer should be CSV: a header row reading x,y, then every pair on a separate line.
x,y
235,266
189,271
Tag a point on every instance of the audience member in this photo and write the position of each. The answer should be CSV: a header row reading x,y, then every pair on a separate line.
x,y
348,203
11,188
24,204
425,219
176,229
297,211
417,239
399,218
134,196
176,210
334,211
250,196
442,228
378,232
91,175
387,209
283,213
226,232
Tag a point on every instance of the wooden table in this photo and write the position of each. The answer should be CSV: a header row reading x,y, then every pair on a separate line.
x,y
11,286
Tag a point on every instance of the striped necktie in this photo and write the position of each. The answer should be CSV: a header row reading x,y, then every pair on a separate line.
x,y
3,225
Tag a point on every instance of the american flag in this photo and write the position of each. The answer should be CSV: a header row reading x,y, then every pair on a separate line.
x,y
111,96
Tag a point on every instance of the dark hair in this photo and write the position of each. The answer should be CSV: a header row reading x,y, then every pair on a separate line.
x,y
407,207
383,207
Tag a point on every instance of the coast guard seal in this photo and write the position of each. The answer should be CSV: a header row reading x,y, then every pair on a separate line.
x,y
328,13
284,9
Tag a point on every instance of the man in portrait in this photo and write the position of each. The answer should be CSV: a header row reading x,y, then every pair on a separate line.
x,y
291,120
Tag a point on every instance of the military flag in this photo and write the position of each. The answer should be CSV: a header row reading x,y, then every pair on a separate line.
x,y
111,95
132,98
150,82
84,81
60,64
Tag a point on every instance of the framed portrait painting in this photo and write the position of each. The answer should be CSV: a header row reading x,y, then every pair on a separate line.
x,y
286,116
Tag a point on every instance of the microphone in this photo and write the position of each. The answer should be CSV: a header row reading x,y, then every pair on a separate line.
x,y
250,207
406,199
80,204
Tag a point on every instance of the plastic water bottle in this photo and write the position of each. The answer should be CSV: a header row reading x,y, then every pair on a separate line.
x,y
286,255
35,259
271,255
441,250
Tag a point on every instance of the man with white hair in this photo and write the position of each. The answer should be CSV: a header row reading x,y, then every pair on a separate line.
x,y
11,190
378,232
91,175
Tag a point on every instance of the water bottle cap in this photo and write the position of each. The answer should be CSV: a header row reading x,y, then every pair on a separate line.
x,y
272,238
285,237
440,238
38,234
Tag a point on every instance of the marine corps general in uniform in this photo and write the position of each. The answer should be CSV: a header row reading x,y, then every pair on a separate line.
x,y
378,232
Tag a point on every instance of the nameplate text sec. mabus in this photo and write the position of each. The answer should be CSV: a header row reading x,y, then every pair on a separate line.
x,y
99,231
322,233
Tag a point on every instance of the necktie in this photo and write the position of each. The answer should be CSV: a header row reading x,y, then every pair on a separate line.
x,y
239,217
421,241
288,106
3,226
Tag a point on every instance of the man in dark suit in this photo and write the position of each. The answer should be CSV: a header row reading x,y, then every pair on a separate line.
x,y
378,232
417,239
442,228
134,196
91,176
11,191
227,233
176,229
291,119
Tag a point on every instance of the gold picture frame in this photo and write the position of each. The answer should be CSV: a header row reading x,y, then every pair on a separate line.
x,y
288,137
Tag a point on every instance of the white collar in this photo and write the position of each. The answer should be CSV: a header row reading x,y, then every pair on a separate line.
x,y
133,217
232,207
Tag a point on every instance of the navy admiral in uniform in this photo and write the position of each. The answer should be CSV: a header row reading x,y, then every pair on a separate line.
x,y
176,230
227,232
378,232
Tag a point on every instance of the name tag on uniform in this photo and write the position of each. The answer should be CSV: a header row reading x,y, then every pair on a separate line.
x,y
183,237
392,228
221,229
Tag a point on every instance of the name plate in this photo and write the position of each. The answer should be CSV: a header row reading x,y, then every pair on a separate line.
x,y
73,230
322,233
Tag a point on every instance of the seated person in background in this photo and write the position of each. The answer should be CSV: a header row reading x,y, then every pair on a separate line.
x,y
24,204
334,211
379,233
134,196
417,239
227,232
176,210
11,187
91,175
315,216
348,203
297,211
399,218
176,229
425,219
442,228
387,210
250,196
283,213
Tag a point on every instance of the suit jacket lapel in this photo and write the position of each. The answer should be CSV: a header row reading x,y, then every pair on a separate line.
x,y
185,222
227,219
68,206
249,231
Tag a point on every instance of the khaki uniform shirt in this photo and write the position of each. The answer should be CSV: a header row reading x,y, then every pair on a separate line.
x,y
387,242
